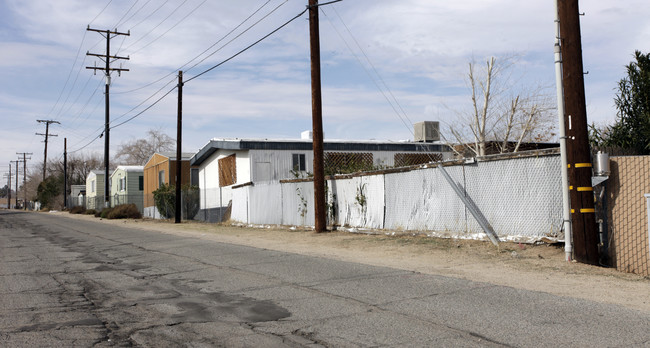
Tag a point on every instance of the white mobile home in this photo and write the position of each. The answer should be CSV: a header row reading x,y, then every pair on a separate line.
x,y
224,163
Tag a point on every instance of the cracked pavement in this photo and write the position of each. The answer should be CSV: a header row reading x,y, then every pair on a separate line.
x,y
80,283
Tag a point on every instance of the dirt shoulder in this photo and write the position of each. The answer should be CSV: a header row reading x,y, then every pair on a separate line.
x,y
530,267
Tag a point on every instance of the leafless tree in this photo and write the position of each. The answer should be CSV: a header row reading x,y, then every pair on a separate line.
x,y
138,151
501,114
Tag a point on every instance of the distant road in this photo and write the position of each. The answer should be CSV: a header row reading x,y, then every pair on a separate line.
x,y
67,283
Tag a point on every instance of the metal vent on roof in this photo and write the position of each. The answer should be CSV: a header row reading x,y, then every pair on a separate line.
x,y
426,131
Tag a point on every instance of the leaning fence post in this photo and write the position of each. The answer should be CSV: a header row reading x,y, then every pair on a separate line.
x,y
476,212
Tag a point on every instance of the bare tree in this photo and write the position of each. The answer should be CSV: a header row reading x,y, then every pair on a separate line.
x,y
138,151
79,166
500,114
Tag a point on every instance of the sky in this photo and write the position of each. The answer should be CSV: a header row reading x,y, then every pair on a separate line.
x,y
385,64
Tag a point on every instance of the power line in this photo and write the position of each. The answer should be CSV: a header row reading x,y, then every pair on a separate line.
x,y
155,27
249,46
172,27
213,67
236,37
147,108
207,49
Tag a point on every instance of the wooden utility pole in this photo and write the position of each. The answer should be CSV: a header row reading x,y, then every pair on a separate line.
x,y
65,172
46,135
179,154
108,34
9,189
24,177
16,162
585,234
317,119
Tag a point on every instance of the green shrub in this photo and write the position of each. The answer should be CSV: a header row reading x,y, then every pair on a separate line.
x,y
104,213
125,211
91,212
165,199
77,210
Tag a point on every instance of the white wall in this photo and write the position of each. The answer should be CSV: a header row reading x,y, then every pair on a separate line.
x,y
520,198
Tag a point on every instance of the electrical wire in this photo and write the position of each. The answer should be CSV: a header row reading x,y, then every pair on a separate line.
x,y
156,27
193,59
100,12
69,74
144,101
147,108
126,14
172,27
394,101
236,37
150,14
136,12
206,71
249,46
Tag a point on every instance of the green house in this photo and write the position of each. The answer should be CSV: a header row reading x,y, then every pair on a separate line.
x,y
127,186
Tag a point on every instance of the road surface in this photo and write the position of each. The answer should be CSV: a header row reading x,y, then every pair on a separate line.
x,y
67,283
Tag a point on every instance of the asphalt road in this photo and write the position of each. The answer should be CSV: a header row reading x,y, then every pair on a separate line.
x,y
68,283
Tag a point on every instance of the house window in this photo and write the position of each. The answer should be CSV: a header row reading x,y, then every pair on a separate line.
x,y
141,183
194,176
161,178
92,186
298,162
227,171
122,184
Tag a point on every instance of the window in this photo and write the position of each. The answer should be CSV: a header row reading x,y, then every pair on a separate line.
x,y
161,178
194,176
122,184
92,186
227,171
141,183
298,162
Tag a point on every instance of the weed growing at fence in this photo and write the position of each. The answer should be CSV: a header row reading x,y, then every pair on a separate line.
x,y
104,213
124,211
78,210
302,206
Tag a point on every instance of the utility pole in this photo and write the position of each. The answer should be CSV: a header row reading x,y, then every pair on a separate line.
x,y
24,177
65,173
16,162
108,34
585,234
317,119
179,154
47,134
9,189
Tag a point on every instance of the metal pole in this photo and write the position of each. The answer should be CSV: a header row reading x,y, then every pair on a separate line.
x,y
179,134
317,119
566,201
585,233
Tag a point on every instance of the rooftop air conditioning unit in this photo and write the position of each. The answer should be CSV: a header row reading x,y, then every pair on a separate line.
x,y
426,131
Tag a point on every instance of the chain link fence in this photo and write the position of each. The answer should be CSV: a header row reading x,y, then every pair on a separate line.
x,y
520,197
